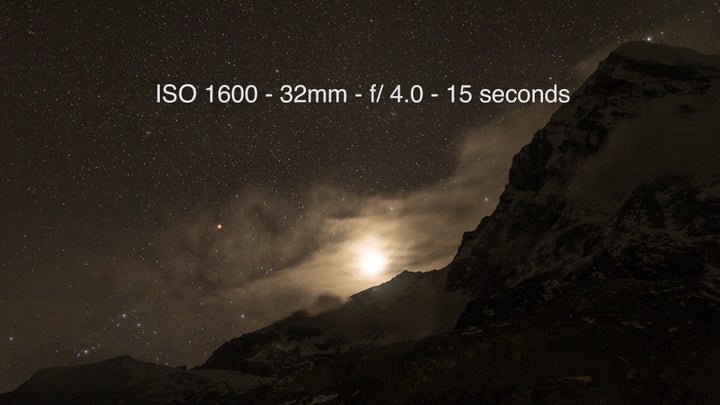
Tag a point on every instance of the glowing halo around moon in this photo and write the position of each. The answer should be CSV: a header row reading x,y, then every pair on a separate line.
x,y
372,263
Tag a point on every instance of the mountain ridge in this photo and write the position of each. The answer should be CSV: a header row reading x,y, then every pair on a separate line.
x,y
543,189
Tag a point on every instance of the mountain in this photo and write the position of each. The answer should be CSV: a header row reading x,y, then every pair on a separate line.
x,y
126,380
408,307
596,279
622,182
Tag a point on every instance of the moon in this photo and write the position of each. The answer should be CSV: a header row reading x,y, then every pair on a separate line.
x,y
372,263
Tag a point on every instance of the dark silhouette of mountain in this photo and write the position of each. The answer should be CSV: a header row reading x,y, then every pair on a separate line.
x,y
408,307
596,279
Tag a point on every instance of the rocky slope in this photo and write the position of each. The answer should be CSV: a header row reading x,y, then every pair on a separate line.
x,y
408,307
596,280
623,181
602,341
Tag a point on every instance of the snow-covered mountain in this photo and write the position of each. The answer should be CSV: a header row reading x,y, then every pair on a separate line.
x,y
597,278
623,181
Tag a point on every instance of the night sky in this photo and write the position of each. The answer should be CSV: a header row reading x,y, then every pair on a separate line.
x,y
162,230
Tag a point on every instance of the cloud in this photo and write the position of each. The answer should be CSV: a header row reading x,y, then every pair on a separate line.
x,y
281,256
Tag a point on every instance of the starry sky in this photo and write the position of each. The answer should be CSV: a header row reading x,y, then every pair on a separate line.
x,y
162,230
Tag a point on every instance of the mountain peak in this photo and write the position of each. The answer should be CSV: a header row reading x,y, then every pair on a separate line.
x,y
646,114
664,54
